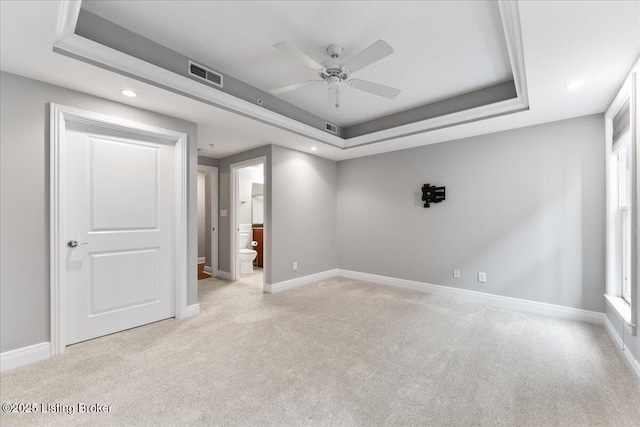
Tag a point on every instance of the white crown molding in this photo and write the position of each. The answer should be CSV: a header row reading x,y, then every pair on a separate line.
x,y
76,46
510,15
623,92
447,120
67,18
299,281
24,356
517,304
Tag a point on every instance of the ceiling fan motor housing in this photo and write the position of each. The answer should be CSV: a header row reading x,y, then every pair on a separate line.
x,y
333,65
334,50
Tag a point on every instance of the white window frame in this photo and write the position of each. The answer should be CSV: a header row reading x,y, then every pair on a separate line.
x,y
625,304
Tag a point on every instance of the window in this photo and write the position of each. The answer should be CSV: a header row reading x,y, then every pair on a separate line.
x,y
622,162
622,193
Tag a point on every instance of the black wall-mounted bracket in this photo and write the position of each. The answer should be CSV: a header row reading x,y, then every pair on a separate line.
x,y
432,194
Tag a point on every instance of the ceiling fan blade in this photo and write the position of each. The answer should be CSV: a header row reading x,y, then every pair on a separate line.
x,y
375,88
373,53
294,86
296,54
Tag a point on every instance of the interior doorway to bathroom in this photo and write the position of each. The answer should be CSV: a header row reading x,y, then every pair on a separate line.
x,y
248,203
207,191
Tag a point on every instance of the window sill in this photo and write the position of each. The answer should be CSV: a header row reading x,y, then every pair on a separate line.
x,y
622,307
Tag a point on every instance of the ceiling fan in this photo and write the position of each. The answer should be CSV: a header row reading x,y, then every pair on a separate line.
x,y
335,71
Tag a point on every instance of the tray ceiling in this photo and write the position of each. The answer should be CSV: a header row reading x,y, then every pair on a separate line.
x,y
442,49
560,42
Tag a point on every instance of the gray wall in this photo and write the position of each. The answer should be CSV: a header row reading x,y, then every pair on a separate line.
x,y
300,212
631,342
24,200
303,214
525,206
207,161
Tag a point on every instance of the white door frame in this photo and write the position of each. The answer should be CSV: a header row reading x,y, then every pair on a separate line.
x,y
235,273
213,208
59,116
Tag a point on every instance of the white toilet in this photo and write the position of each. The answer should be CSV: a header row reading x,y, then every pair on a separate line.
x,y
246,255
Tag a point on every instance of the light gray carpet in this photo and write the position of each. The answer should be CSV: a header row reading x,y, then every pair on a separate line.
x,y
338,352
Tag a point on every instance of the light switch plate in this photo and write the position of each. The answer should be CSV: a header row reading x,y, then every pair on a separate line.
x,y
456,273
482,277
223,212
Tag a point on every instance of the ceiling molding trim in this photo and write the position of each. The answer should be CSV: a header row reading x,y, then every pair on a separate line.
x,y
616,102
67,18
510,15
458,118
80,47
71,44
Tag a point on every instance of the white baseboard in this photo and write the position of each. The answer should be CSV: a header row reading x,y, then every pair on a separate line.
x,y
24,356
480,297
192,310
298,281
612,333
207,269
222,274
630,361
201,260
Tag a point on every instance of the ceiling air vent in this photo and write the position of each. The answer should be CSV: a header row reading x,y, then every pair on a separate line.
x,y
331,128
203,73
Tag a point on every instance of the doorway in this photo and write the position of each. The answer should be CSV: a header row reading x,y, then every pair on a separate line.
x,y
248,222
118,225
207,221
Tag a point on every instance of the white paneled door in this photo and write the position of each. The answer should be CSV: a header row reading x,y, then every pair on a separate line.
x,y
118,222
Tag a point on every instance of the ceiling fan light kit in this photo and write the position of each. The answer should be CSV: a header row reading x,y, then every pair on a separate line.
x,y
334,71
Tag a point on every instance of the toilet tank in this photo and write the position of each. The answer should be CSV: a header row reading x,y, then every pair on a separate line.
x,y
245,236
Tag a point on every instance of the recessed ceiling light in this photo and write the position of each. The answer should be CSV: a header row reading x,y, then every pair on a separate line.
x,y
129,93
574,84
314,148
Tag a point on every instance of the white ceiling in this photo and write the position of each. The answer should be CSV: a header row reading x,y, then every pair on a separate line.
x,y
442,49
597,42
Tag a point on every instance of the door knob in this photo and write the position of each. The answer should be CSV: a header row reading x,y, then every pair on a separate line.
x,y
74,243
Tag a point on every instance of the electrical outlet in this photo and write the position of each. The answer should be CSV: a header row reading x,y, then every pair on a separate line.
x,y
295,265
456,273
482,277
